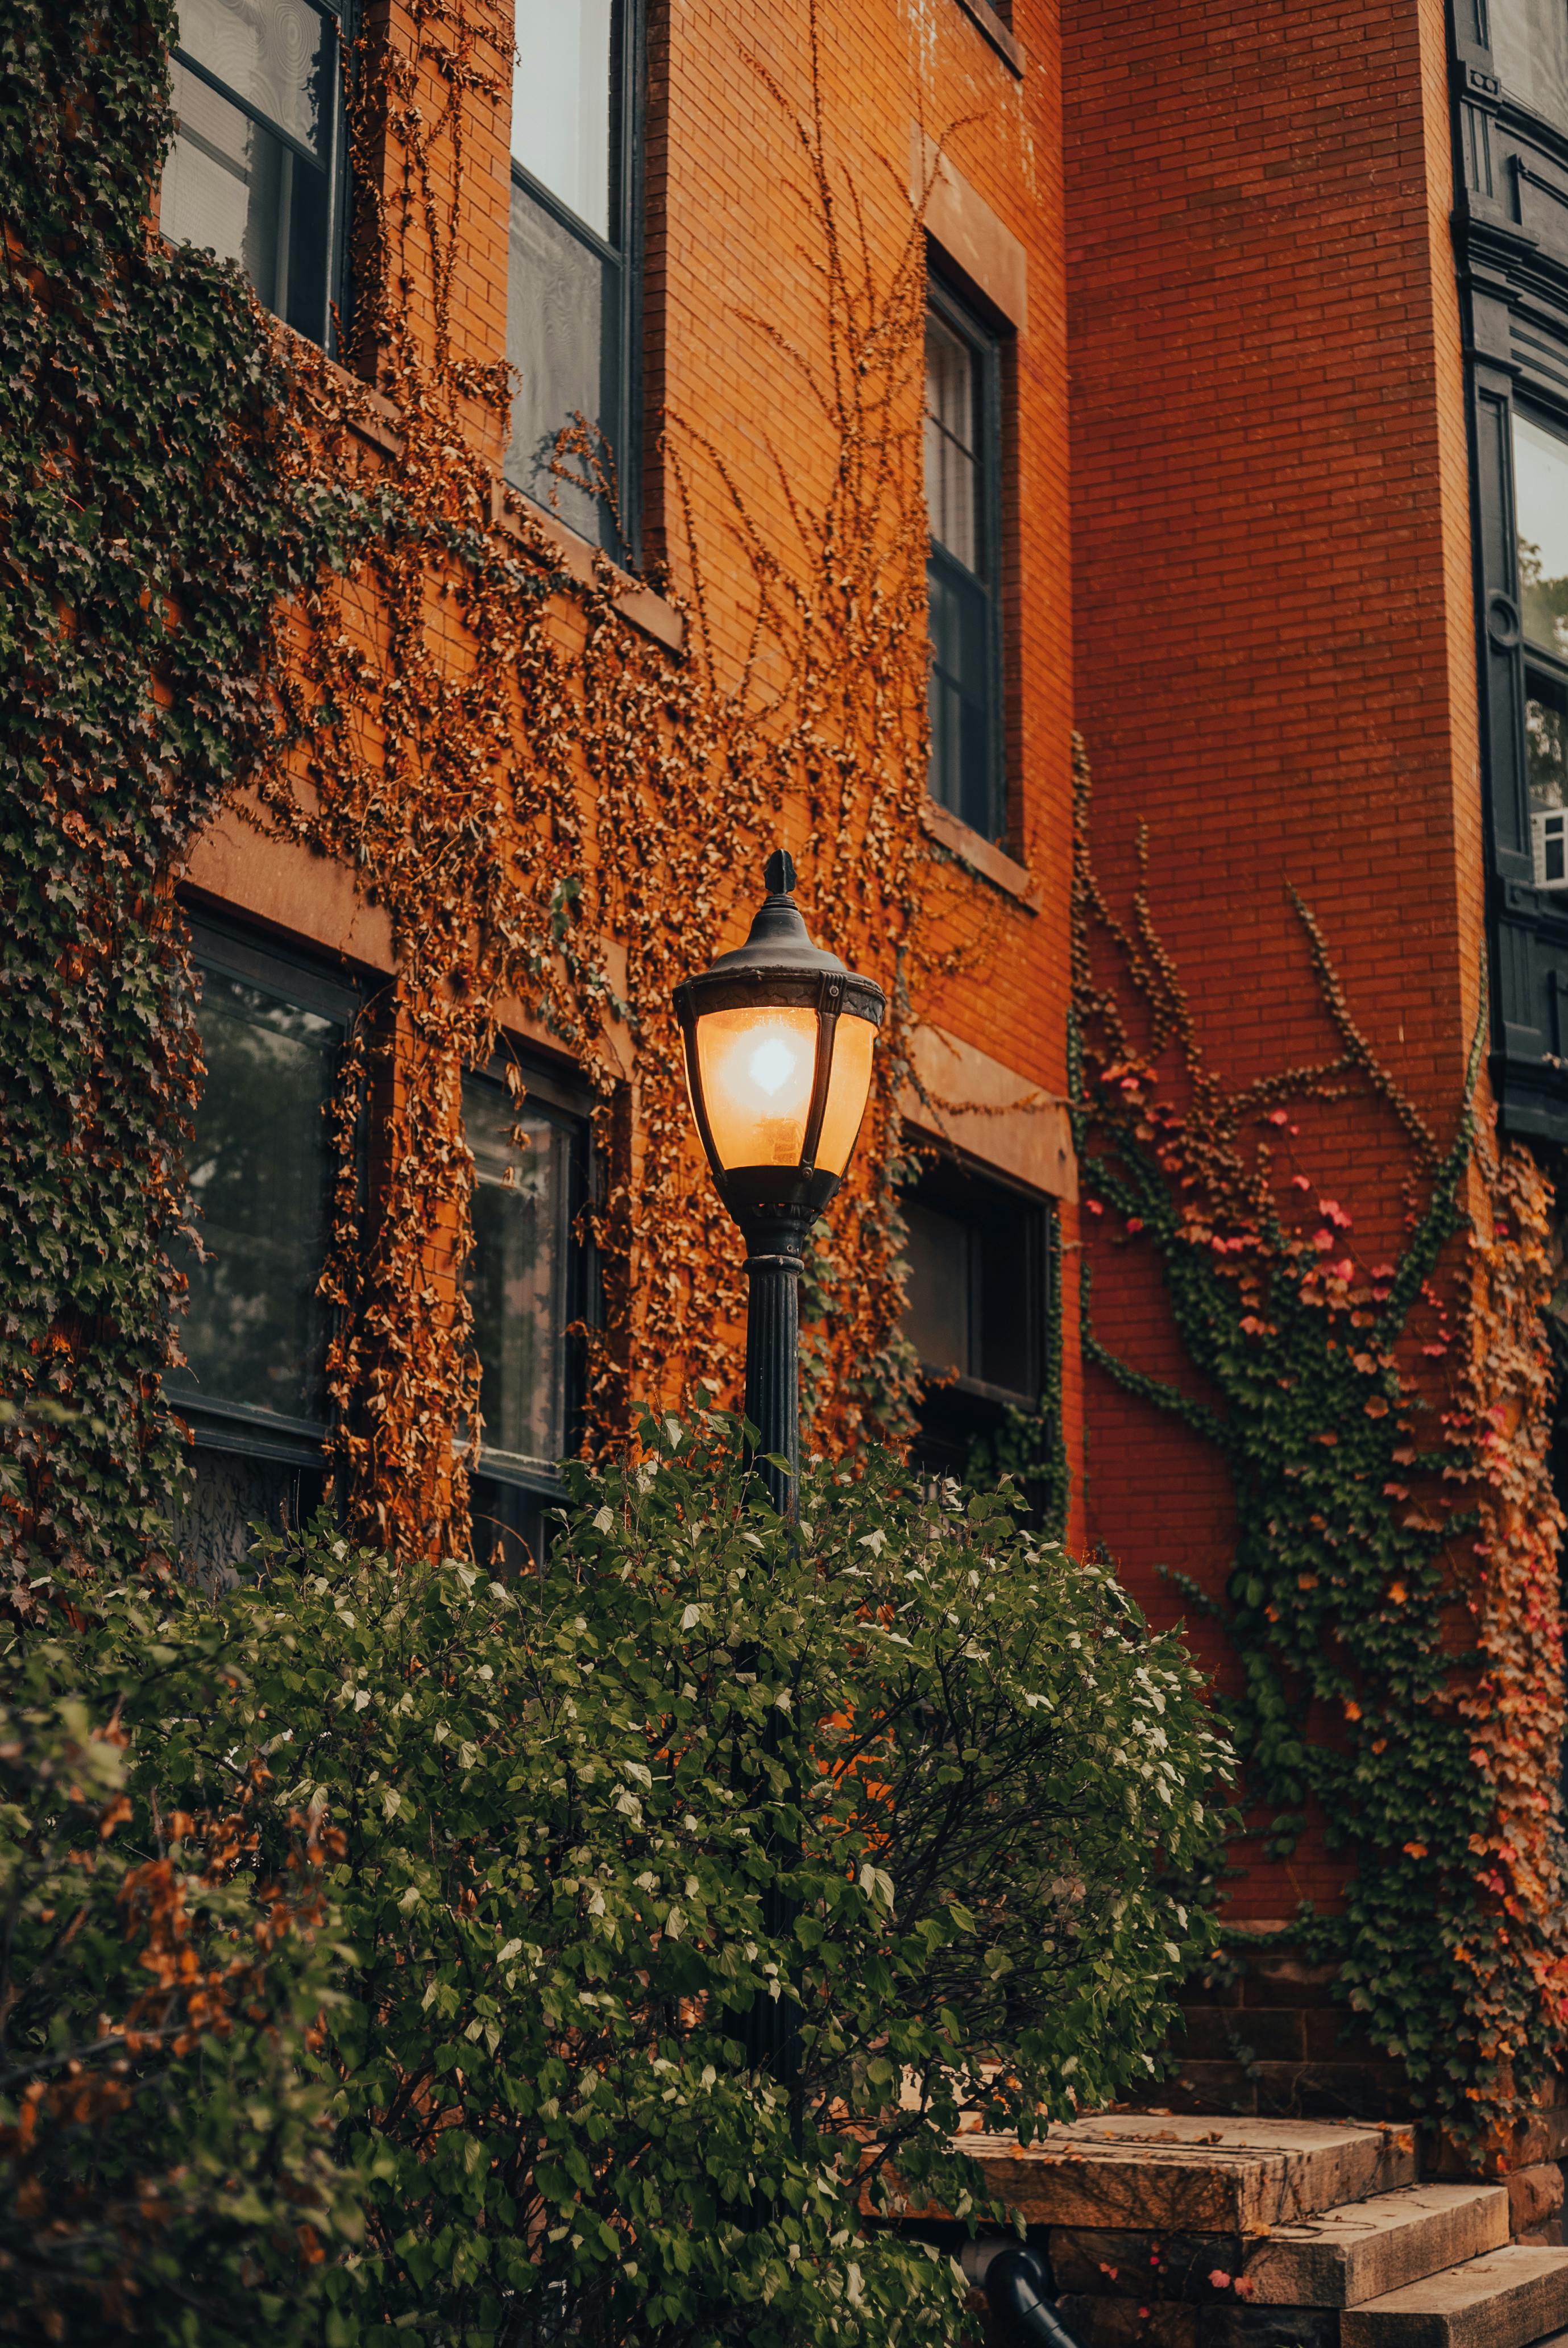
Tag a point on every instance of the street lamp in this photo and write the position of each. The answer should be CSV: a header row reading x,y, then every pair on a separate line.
x,y
778,1038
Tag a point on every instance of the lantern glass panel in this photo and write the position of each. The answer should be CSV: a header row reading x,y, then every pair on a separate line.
x,y
755,1068
847,1089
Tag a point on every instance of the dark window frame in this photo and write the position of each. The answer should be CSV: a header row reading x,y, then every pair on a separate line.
x,y
343,15
307,982
566,1102
627,206
987,344
956,1412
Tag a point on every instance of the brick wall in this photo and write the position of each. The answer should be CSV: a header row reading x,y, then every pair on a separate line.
x,y
1272,611
727,246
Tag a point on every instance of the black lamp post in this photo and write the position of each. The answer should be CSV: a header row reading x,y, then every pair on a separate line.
x,y
778,1040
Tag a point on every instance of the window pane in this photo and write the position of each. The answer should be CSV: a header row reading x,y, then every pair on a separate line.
x,y
936,1310
255,1330
276,55
952,452
1007,1315
1541,517
230,1495
517,1273
233,187
961,775
561,103
1529,50
1546,741
563,337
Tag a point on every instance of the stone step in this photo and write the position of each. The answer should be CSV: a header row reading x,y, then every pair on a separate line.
x,y
1341,2257
1194,2174
1334,2260
1503,2300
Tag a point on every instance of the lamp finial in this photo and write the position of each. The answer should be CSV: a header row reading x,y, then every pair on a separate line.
x,y
778,874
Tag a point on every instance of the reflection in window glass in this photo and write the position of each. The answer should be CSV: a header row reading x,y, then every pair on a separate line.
x,y
1529,50
568,283
563,337
228,1495
952,458
250,175
517,1273
936,1305
561,103
1546,740
270,54
255,1330
962,489
971,1286
1541,521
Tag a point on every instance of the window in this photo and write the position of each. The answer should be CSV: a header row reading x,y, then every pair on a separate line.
x,y
260,1173
963,498
979,1257
527,1286
255,173
1529,40
569,297
1541,521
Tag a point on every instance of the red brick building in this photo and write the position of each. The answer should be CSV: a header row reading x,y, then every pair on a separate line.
x,y
629,236
1317,271
1245,439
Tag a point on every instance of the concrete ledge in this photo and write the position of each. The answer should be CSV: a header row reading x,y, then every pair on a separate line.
x,y
1199,2175
1501,2301
1341,2257
975,240
990,1113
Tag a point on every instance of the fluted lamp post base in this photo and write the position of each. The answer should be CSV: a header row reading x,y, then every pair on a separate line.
x,y
774,1266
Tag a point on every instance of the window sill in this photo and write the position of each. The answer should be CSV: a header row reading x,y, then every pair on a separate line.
x,y
377,425
633,600
996,33
987,862
949,1381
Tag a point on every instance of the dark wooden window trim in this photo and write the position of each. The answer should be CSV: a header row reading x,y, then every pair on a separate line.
x,y
986,341
344,16
628,205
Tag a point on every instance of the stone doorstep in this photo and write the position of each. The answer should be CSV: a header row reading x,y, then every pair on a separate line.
x,y
1193,2173
1342,2257
1335,2260
1503,2300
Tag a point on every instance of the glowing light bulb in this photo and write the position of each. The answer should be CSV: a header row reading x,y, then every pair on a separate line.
x,y
772,1065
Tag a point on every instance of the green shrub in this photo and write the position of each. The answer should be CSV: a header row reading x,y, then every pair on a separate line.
x,y
165,2143
904,1785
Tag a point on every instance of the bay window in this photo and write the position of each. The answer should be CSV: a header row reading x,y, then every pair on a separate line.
x,y
1540,525
1530,52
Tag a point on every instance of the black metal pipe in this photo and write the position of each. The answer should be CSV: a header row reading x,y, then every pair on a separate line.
x,y
1017,2283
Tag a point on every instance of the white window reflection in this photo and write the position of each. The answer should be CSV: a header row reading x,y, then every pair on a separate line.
x,y
952,457
251,176
561,102
518,1274
1541,521
255,1328
1529,49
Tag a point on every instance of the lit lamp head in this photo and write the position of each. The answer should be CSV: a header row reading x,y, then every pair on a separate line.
x,y
778,1038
